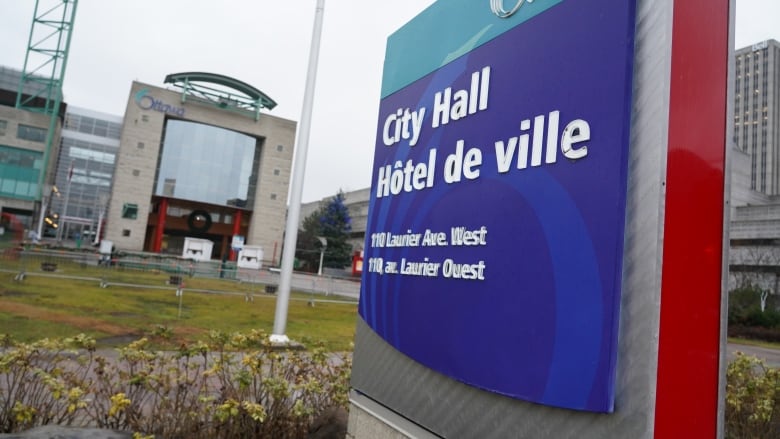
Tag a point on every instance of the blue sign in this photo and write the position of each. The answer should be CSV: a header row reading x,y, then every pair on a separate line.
x,y
495,233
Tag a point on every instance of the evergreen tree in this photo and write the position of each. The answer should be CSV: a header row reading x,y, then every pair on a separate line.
x,y
332,222
335,226
308,246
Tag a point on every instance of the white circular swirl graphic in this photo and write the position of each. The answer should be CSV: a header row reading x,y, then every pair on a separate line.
x,y
497,6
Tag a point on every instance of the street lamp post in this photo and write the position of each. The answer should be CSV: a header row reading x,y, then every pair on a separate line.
x,y
324,243
103,200
49,191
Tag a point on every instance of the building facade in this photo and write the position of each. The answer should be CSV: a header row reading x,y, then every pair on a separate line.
x,y
22,152
200,165
754,235
84,172
757,112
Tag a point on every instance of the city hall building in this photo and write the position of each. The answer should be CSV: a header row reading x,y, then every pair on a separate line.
x,y
200,160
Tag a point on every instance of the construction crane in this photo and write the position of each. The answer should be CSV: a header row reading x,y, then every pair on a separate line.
x,y
40,86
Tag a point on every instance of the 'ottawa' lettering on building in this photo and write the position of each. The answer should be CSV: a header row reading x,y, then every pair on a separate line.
x,y
147,102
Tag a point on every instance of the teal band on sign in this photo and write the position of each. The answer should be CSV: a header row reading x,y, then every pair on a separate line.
x,y
408,58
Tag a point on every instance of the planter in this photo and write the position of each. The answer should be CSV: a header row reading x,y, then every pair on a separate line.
x,y
48,266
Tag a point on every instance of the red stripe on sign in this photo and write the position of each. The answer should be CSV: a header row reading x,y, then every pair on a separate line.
x,y
689,344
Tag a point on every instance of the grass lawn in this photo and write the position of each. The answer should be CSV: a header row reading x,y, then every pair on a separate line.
x,y
52,307
759,343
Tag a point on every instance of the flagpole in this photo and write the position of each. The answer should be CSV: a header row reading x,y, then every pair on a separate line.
x,y
64,212
296,189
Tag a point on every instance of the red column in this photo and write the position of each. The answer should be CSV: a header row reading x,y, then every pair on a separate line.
x,y
236,231
690,327
162,212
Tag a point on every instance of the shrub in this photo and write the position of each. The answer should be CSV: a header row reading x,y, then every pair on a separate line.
x,y
231,385
755,333
768,318
746,320
37,389
745,308
237,385
752,399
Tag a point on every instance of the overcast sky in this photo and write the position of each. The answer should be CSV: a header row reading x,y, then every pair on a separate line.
x,y
266,44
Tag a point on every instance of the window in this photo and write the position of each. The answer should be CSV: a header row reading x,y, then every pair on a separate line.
x,y
114,130
126,232
207,164
279,148
169,187
276,172
101,128
87,154
33,134
19,171
130,211
87,125
72,121
3,126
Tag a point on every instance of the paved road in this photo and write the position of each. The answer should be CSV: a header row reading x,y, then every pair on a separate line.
x,y
771,356
309,283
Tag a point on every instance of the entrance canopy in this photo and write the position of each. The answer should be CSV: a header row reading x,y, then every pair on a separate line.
x,y
221,91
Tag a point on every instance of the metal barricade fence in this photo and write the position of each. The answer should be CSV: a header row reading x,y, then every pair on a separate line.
x,y
22,260
153,271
